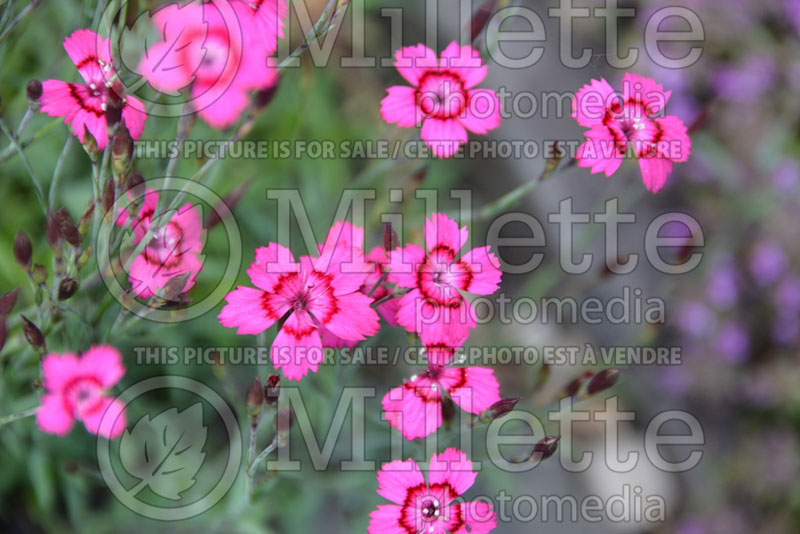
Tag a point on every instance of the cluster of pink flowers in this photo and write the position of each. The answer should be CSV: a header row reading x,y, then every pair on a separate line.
x,y
76,390
173,250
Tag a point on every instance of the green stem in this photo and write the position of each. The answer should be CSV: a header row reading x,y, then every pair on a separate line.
x,y
19,415
36,184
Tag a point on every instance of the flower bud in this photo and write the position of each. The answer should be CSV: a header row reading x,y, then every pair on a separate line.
x,y
34,90
574,387
135,181
86,220
67,288
66,228
23,250
390,240
7,302
32,334
89,144
546,448
283,423
272,390
480,19
603,380
255,397
114,106
39,274
51,230
3,333
448,411
174,287
264,96
121,150
108,196
230,201
498,409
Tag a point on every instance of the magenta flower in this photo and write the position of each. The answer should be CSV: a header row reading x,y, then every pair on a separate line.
x,y
270,17
309,295
631,121
443,98
83,105
415,408
345,234
76,391
173,250
430,507
217,49
434,307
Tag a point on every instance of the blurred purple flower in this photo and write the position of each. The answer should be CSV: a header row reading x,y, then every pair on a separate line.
x,y
785,329
792,8
767,262
675,380
787,295
786,176
732,342
746,81
695,319
723,285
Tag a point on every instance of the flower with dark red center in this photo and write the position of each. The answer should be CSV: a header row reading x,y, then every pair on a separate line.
x,y
345,234
309,295
83,105
443,98
633,121
173,250
434,307
76,390
415,408
218,49
432,506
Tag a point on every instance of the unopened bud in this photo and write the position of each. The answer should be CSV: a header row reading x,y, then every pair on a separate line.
x,y
603,380
574,387
448,411
390,240
114,106
32,333
89,144
135,181
8,301
255,397
174,287
108,196
230,201
264,96
480,19
546,448
542,376
23,250
283,423
51,230
499,409
272,390
67,288
67,229
85,221
554,157
121,150
34,90
39,274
